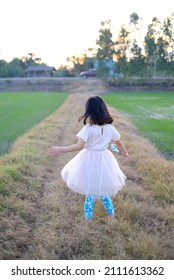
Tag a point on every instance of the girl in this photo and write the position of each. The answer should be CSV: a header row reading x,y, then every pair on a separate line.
x,y
94,171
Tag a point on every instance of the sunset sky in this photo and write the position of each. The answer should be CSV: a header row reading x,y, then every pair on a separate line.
x,y
57,29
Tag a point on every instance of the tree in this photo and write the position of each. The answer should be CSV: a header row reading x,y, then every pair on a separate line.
x,y
14,68
168,43
3,68
30,60
152,43
76,63
90,58
122,50
105,51
136,58
136,63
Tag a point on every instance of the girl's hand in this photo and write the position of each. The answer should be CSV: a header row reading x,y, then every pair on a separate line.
x,y
54,150
126,155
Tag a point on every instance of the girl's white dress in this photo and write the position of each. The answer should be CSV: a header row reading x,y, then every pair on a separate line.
x,y
94,170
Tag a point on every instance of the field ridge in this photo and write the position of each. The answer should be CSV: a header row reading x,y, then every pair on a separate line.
x,y
42,219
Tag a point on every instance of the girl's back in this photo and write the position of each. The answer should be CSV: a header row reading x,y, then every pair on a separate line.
x,y
98,137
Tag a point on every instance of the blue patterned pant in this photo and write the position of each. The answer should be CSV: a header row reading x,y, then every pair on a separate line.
x,y
90,202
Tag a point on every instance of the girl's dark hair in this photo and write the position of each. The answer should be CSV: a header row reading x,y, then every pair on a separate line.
x,y
96,112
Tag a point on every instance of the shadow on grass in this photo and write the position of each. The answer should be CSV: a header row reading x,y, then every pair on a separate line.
x,y
5,147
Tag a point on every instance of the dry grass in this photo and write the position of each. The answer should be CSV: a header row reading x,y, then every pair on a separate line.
x,y
42,219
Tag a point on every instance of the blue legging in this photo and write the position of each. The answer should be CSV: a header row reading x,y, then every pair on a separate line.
x,y
90,202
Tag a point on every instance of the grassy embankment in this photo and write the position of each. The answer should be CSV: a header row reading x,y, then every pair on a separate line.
x,y
152,113
20,111
42,219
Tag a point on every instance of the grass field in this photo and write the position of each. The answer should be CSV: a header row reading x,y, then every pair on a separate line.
x,y
152,113
41,219
20,111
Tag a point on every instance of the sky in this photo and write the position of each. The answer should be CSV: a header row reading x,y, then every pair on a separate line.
x,y
56,29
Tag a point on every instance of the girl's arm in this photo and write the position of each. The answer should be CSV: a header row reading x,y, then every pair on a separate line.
x,y
54,150
122,148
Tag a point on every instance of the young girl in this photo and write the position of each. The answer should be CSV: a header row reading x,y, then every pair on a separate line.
x,y
94,171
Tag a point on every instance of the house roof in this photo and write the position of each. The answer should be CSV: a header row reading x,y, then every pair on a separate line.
x,y
40,68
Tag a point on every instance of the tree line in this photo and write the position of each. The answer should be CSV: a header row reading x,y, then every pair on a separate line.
x,y
17,67
129,53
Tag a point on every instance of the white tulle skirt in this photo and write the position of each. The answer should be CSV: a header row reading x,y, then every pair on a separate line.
x,y
94,172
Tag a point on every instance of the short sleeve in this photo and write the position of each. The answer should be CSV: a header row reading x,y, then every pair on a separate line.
x,y
83,133
115,134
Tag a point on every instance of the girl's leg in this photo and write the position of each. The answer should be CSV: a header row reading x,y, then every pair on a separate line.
x,y
107,203
89,206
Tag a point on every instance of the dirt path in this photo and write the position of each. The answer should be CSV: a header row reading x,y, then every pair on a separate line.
x,y
48,222
59,228
56,218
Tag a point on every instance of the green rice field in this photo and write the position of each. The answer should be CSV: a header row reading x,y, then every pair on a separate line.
x,y
152,113
20,111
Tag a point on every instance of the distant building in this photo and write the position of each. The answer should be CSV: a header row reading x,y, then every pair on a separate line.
x,y
37,71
